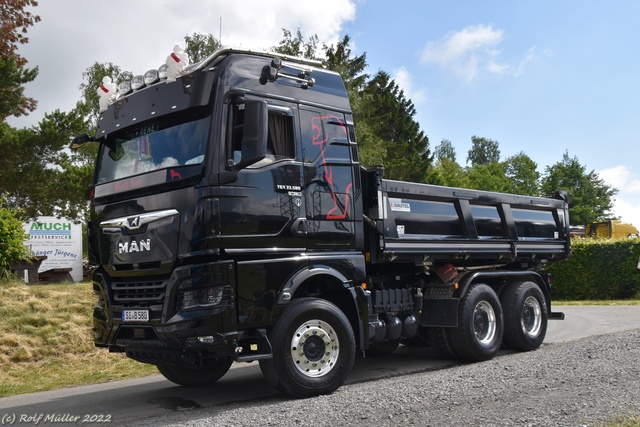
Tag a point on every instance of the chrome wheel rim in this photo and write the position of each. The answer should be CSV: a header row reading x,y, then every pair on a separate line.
x,y
314,348
531,317
484,322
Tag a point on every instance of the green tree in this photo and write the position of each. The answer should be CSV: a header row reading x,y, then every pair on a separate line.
x,y
12,237
486,171
488,177
296,46
199,46
483,151
592,199
523,174
445,151
389,115
38,175
14,22
446,170
12,81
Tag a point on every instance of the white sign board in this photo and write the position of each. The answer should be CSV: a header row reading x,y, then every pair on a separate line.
x,y
59,240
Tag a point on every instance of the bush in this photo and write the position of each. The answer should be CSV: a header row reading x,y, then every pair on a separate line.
x,y
12,237
598,270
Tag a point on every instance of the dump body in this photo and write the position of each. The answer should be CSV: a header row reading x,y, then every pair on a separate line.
x,y
446,224
231,220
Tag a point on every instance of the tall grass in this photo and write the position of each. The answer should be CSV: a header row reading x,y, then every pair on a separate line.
x,y
46,340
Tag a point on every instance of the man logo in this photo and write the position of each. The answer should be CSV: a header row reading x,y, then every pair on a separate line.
x,y
134,246
134,222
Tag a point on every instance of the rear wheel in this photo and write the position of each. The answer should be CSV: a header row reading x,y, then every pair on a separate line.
x,y
525,316
194,377
478,336
313,349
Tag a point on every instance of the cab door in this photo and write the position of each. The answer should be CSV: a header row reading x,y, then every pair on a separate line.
x,y
262,209
262,212
329,174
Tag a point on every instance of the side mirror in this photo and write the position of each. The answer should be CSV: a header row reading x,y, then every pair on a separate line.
x,y
80,140
254,135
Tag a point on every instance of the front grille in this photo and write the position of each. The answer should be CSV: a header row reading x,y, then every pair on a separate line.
x,y
152,291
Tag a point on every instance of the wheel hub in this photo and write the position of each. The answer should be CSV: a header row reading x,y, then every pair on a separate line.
x,y
484,322
314,348
531,319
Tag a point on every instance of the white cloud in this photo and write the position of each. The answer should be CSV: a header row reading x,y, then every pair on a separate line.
x,y
621,177
529,57
403,78
473,52
627,202
467,52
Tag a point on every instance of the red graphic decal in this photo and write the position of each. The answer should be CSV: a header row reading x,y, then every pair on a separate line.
x,y
321,140
174,175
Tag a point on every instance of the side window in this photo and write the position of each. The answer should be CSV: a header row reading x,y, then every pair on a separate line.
x,y
280,142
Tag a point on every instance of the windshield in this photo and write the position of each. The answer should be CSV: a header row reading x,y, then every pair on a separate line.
x,y
151,147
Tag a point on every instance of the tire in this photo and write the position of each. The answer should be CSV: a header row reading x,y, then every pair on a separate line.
x,y
313,349
383,348
478,336
525,316
196,377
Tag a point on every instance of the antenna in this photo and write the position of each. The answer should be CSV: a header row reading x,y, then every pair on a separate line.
x,y
220,38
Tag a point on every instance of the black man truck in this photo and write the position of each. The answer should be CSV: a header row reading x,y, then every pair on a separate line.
x,y
231,221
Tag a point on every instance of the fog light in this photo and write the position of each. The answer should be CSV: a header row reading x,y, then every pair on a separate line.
x,y
201,298
206,340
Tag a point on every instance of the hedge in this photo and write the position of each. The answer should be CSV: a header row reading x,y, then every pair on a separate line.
x,y
597,270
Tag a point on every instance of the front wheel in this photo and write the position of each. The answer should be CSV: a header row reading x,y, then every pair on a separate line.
x,y
313,349
478,336
526,315
194,377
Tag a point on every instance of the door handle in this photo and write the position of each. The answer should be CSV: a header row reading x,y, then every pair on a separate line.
x,y
299,227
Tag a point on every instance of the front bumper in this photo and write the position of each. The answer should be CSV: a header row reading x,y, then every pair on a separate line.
x,y
173,335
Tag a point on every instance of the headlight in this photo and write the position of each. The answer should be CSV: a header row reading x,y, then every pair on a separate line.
x,y
200,298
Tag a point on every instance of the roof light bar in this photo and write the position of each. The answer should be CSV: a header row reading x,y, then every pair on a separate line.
x,y
138,82
151,77
124,87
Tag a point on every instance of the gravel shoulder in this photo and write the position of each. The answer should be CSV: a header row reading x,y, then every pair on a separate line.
x,y
580,383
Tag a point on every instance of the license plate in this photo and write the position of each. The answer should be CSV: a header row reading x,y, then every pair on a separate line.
x,y
135,315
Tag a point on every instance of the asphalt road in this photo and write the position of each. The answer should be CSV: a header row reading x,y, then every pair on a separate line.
x,y
123,402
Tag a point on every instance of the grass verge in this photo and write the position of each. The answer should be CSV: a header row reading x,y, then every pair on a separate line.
x,y
46,340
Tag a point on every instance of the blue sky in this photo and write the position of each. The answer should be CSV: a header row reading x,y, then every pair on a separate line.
x,y
543,77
